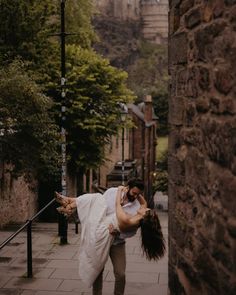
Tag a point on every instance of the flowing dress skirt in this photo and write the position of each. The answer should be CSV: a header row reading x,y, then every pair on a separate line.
x,y
95,237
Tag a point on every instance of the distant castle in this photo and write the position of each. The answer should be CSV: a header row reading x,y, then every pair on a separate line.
x,y
153,15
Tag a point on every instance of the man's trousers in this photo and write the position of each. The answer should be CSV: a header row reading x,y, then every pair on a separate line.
x,y
118,259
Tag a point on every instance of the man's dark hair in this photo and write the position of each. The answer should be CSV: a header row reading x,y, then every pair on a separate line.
x,y
136,182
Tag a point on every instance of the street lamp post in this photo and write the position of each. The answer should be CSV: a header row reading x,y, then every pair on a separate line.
x,y
123,158
124,112
63,224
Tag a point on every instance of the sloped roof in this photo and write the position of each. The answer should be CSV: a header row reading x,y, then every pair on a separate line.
x,y
139,109
135,109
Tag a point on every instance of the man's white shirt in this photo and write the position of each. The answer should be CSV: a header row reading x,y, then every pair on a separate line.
x,y
130,208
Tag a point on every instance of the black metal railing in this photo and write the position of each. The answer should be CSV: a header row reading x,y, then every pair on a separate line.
x,y
27,224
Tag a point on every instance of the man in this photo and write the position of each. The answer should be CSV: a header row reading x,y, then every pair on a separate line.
x,y
131,202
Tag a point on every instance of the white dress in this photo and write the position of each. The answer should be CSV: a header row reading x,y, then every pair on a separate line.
x,y
95,237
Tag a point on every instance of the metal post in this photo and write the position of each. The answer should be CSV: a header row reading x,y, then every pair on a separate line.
x,y
63,224
29,250
123,157
76,227
143,156
124,113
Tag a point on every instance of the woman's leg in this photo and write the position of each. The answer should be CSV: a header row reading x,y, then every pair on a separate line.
x,y
65,201
68,204
66,211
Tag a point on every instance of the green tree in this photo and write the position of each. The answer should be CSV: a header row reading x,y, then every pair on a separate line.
x,y
28,29
78,22
160,182
28,136
25,26
160,105
94,89
148,75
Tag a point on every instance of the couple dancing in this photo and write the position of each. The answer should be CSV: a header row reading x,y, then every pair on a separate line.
x,y
106,220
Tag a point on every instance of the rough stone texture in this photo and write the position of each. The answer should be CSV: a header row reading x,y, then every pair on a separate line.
x,y
193,19
185,6
178,49
202,147
17,197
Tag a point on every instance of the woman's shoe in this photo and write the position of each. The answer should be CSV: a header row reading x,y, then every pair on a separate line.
x,y
61,199
66,211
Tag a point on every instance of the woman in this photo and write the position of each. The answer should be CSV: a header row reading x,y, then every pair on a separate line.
x,y
97,225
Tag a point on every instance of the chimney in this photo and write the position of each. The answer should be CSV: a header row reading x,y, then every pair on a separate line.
x,y
148,108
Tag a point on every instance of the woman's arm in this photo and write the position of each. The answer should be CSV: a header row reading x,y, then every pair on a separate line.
x,y
124,221
142,201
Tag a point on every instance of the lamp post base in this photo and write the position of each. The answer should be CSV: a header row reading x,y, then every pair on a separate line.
x,y
62,229
63,241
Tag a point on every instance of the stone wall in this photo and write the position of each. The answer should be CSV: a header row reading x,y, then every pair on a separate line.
x,y
154,16
18,199
202,147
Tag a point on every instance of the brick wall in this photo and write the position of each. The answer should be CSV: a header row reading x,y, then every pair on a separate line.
x,y
202,147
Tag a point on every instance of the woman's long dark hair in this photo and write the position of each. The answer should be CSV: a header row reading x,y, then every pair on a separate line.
x,y
152,240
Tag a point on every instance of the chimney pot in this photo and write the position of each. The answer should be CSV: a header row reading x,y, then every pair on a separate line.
x,y
148,108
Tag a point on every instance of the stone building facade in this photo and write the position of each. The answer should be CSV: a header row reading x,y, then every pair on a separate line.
x,y
154,19
202,147
152,15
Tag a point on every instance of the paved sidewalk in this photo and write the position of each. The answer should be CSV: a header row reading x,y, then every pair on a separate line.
x,y
55,267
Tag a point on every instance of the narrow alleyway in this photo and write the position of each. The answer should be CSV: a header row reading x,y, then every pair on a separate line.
x,y
55,267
